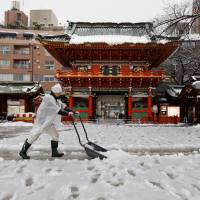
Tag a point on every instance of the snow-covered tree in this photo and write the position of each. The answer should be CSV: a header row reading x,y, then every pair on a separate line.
x,y
178,20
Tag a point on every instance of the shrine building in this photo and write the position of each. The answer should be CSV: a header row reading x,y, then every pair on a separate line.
x,y
110,68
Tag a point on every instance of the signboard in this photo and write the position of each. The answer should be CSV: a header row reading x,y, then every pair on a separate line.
x,y
173,111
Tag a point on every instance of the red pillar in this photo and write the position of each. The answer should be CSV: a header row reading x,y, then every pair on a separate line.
x,y
90,103
130,102
130,107
90,106
70,102
150,104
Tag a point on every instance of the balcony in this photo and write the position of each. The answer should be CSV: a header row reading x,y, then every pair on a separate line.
x,y
22,64
96,74
140,79
22,51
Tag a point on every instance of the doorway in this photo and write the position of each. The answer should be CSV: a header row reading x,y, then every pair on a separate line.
x,y
110,106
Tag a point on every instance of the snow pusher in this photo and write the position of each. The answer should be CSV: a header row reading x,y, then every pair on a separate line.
x,y
93,150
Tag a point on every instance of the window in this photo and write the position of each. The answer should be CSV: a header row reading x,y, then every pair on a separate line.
x,y
21,77
4,64
49,64
18,77
18,17
4,35
6,77
26,77
4,49
22,64
188,44
49,78
38,78
22,50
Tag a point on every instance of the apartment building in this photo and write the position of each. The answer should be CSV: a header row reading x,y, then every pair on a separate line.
x,y
44,18
15,17
23,59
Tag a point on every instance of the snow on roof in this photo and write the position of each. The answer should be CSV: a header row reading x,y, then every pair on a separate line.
x,y
110,33
8,32
109,39
13,88
196,85
113,39
28,33
174,90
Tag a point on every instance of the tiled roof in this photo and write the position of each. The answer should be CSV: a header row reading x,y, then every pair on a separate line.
x,y
129,29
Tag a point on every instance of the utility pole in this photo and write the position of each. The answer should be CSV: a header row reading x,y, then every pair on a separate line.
x,y
32,46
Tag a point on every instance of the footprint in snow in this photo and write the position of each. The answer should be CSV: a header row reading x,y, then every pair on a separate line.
x,y
145,166
20,169
156,184
90,167
53,172
74,193
47,170
196,187
101,198
29,181
131,172
171,175
95,177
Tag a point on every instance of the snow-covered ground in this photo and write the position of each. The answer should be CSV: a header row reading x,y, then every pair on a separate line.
x,y
145,162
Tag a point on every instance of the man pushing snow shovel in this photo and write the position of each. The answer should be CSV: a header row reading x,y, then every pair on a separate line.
x,y
48,115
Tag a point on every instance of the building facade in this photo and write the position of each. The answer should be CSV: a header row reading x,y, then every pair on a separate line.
x,y
43,18
110,74
23,59
15,18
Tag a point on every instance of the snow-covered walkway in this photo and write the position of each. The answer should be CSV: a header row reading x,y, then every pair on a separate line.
x,y
150,139
136,167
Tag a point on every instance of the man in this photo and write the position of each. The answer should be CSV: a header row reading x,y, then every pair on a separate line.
x,y
47,117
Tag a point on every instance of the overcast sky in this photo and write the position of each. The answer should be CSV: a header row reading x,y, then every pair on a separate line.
x,y
94,10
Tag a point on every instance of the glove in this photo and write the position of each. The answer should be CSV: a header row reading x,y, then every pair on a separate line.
x,y
76,113
67,109
63,112
70,114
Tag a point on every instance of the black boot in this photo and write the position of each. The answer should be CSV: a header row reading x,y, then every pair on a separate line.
x,y
54,146
24,150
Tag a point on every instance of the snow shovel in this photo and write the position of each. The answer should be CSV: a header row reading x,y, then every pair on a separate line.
x,y
89,146
94,146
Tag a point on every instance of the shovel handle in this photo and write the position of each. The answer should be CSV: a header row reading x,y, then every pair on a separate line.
x,y
79,139
84,128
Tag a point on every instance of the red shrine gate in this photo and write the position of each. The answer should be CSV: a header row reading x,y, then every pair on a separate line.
x,y
109,67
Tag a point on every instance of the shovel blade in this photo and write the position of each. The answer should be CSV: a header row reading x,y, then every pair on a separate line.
x,y
97,147
94,154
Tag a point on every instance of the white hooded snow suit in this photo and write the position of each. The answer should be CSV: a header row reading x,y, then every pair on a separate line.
x,y
47,118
